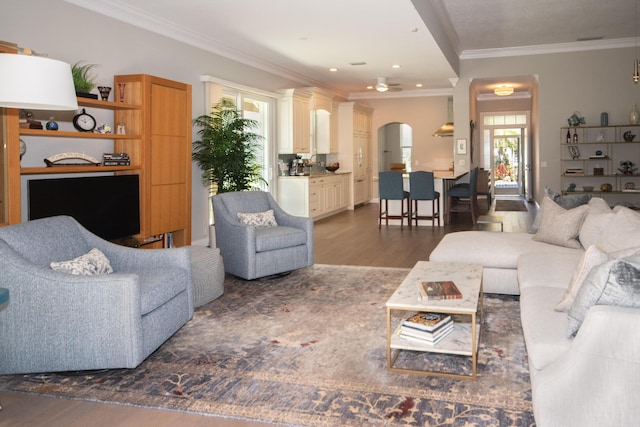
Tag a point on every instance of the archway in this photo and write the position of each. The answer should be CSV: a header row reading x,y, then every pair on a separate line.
x,y
395,141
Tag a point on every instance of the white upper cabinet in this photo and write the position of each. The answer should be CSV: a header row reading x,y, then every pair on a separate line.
x,y
294,127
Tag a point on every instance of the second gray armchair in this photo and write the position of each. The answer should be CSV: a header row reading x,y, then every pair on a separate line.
x,y
251,251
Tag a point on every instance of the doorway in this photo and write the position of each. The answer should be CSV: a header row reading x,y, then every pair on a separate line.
x,y
506,148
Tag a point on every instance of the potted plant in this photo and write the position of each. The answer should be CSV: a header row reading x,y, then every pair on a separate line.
x,y
227,151
83,79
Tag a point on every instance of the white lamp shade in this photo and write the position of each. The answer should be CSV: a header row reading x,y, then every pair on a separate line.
x,y
34,82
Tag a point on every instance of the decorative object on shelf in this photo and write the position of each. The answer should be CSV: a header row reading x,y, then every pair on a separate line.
x,y
598,171
332,167
121,129
83,80
576,119
103,128
571,188
121,87
84,121
51,124
628,136
87,159
575,136
104,92
23,148
574,152
35,82
634,115
606,187
627,167
629,186
604,119
116,159
587,188
600,137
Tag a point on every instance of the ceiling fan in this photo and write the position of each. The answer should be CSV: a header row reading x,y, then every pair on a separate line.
x,y
383,85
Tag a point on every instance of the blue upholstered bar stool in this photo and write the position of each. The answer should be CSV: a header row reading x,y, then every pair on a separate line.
x,y
391,188
4,299
463,197
422,187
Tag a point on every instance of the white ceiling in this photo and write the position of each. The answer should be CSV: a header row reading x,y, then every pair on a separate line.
x,y
301,40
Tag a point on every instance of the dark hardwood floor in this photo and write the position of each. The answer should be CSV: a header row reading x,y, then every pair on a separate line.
x,y
348,238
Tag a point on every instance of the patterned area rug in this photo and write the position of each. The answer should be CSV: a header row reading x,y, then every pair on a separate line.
x,y
309,349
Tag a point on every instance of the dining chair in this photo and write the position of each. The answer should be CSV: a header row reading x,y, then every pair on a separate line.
x,y
463,197
391,188
422,188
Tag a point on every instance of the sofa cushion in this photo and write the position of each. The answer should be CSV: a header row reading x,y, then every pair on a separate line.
x,y
560,226
593,257
258,219
93,262
544,328
616,282
598,217
557,272
622,232
271,238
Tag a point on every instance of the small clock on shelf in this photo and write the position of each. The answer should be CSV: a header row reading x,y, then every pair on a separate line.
x,y
84,122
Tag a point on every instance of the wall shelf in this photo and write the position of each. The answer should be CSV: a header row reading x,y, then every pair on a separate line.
x,y
72,134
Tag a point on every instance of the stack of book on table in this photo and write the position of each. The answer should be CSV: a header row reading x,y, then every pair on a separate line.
x,y
426,328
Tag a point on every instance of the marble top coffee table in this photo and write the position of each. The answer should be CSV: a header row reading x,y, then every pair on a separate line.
x,y
464,339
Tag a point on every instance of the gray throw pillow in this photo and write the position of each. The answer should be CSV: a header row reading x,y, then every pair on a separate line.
x,y
616,282
560,226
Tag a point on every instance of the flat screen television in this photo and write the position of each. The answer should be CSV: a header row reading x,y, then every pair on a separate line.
x,y
108,206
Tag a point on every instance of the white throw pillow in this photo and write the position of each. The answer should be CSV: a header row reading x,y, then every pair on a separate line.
x,y
592,257
93,262
560,226
622,232
258,219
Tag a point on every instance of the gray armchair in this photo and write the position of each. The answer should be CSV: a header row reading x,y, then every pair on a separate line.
x,y
251,252
56,321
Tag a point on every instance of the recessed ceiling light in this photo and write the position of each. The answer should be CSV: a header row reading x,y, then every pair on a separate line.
x,y
333,70
419,85
395,66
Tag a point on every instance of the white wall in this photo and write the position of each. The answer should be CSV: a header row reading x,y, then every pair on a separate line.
x,y
70,33
589,82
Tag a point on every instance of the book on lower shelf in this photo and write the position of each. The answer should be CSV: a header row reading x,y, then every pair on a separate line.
x,y
428,322
439,290
423,337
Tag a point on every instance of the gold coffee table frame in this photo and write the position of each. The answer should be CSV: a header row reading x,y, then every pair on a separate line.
x,y
465,338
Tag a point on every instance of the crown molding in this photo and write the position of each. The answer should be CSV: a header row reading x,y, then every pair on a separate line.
x,y
548,48
138,18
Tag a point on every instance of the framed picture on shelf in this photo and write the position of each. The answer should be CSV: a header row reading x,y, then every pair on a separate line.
x,y
574,152
461,146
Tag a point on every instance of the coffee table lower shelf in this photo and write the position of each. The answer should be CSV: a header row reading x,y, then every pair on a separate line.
x,y
459,342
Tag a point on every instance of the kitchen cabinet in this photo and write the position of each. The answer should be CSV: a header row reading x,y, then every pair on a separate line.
x,y
315,196
354,123
323,122
294,121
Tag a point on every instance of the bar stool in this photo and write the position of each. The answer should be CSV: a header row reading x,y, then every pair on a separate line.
x,y
4,299
391,188
422,187
463,197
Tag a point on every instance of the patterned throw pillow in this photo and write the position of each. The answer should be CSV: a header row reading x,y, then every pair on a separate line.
x,y
616,282
258,219
568,201
93,262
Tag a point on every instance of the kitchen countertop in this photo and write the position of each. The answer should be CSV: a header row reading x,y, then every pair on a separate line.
x,y
315,175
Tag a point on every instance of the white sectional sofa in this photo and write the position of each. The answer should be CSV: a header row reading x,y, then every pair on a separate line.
x,y
592,378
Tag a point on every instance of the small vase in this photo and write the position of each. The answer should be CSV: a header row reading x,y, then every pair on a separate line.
x,y
634,115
